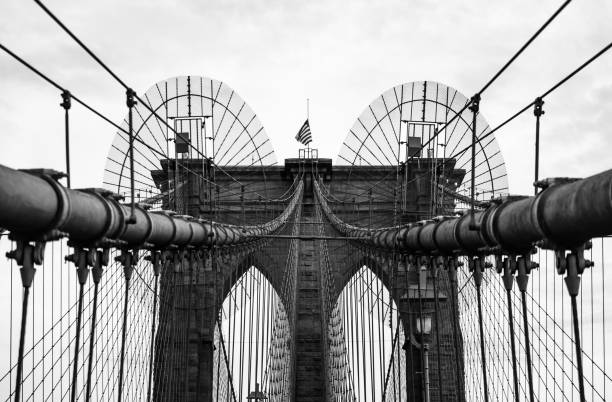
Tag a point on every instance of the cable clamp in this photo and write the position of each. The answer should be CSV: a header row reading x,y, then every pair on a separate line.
x,y
475,103
537,107
130,100
66,100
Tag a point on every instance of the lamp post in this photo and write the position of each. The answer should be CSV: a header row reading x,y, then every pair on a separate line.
x,y
421,339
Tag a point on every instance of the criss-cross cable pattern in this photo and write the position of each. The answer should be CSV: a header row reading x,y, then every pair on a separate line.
x,y
541,365
402,273
134,334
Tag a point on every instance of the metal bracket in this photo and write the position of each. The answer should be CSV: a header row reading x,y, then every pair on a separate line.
x,y
128,259
82,259
572,265
27,255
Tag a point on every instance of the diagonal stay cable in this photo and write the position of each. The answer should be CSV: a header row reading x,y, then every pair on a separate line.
x,y
500,71
548,92
110,71
77,99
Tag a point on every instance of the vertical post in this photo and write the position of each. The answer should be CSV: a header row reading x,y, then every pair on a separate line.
x,y
131,102
426,371
474,107
242,207
370,209
66,104
537,112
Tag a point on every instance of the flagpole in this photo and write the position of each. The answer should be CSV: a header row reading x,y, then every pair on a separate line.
x,y
307,118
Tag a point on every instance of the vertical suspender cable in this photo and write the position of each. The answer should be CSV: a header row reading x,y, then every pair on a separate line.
x,y
250,327
156,262
578,348
478,281
508,279
79,258
363,333
398,325
381,328
524,267
527,346
353,329
424,375
24,314
96,273
370,332
572,282
25,255
192,262
437,319
242,327
126,260
408,346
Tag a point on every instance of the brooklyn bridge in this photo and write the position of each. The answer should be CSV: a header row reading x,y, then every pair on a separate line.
x,y
204,269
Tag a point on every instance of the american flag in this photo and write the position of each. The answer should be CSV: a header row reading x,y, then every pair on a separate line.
x,y
304,135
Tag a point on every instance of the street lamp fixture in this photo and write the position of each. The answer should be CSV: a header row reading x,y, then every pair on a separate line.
x,y
423,326
421,339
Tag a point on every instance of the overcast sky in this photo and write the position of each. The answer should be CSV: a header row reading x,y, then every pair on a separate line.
x,y
339,54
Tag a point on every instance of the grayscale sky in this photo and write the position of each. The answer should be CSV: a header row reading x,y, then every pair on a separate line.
x,y
340,54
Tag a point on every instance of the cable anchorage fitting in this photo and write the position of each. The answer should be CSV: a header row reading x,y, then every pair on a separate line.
x,y
157,259
507,267
477,265
27,255
82,259
101,260
573,265
524,266
128,260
